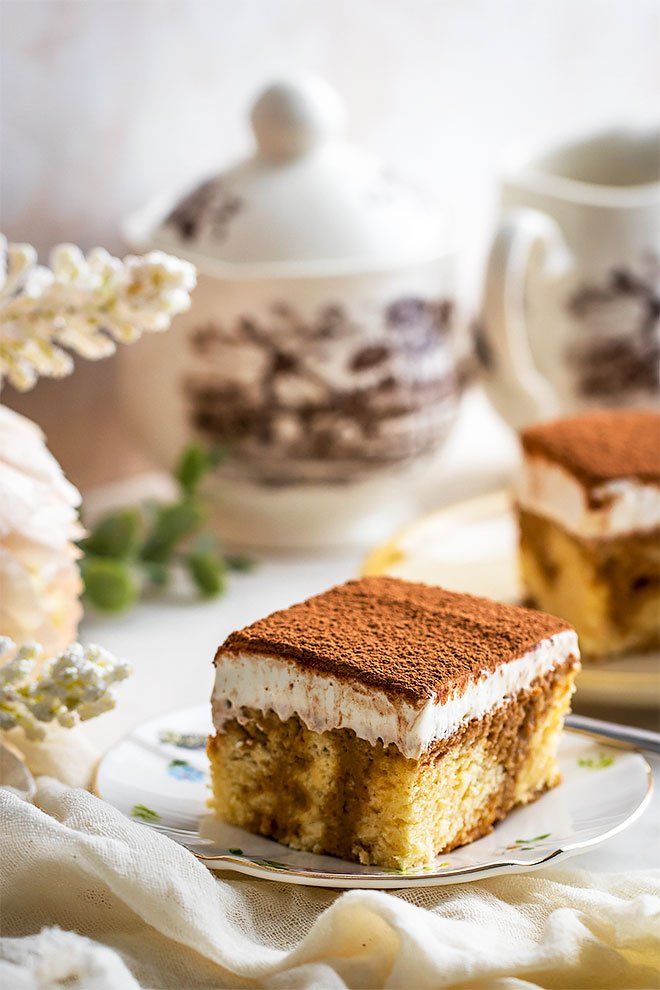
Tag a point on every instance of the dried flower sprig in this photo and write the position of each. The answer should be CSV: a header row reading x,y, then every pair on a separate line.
x,y
71,688
81,304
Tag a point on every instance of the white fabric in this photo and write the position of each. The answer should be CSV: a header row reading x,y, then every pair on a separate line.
x,y
159,919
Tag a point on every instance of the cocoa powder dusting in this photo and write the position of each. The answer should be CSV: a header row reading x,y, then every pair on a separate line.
x,y
404,638
601,446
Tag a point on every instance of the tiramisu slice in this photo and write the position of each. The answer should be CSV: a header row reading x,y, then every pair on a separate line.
x,y
589,513
385,721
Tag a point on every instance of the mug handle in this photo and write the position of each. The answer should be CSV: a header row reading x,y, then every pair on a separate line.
x,y
517,387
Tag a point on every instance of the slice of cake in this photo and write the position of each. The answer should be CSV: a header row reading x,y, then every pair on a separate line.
x,y
385,721
589,515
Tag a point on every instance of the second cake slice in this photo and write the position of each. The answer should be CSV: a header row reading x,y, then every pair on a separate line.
x,y
588,509
386,722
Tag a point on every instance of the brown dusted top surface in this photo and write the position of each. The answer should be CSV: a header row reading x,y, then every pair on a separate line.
x,y
404,638
601,446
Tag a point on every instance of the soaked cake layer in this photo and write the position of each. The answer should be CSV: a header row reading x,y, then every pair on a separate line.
x,y
332,792
608,589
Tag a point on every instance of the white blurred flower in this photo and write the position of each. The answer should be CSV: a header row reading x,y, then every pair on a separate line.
x,y
39,580
81,304
72,687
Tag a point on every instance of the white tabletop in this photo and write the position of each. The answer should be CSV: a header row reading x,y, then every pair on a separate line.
x,y
171,643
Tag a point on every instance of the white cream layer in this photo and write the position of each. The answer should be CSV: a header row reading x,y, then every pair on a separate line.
x,y
323,703
549,490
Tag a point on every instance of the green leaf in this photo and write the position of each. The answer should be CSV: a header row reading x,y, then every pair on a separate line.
x,y
537,838
596,763
193,464
157,574
171,524
206,543
235,852
237,562
117,535
110,585
196,462
144,814
208,572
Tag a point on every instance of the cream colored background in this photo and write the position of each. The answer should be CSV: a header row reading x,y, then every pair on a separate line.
x,y
105,101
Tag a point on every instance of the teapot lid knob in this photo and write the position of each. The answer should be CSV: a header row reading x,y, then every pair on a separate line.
x,y
291,117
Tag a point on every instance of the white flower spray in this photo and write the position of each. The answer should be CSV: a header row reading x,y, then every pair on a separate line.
x,y
81,304
71,688
84,305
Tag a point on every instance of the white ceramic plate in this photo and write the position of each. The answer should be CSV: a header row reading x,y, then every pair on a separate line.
x,y
471,547
159,775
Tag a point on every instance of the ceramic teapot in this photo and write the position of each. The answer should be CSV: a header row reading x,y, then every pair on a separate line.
x,y
318,349
570,316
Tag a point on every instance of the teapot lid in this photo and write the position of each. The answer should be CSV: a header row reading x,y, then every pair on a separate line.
x,y
305,195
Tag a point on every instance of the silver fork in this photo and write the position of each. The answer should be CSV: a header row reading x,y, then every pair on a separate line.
x,y
644,738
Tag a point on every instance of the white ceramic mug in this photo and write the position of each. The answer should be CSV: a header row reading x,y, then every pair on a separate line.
x,y
570,314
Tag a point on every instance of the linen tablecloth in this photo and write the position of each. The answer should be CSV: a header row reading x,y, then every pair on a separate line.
x,y
158,918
